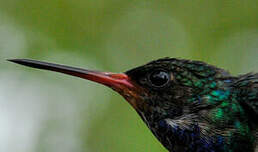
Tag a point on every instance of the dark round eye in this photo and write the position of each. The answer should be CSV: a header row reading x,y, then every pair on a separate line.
x,y
159,78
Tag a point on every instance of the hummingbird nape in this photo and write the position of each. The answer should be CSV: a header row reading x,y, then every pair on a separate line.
x,y
189,106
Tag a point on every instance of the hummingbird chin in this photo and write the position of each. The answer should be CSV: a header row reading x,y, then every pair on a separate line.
x,y
189,106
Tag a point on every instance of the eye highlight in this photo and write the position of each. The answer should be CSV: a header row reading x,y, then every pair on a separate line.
x,y
159,78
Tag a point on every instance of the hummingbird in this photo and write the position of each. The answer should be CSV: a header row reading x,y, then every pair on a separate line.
x,y
189,106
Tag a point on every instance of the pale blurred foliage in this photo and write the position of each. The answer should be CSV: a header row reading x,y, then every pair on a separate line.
x,y
49,112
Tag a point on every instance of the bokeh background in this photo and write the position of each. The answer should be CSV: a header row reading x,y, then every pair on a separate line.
x,y
49,112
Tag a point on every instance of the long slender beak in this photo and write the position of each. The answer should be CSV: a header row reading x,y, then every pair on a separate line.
x,y
116,81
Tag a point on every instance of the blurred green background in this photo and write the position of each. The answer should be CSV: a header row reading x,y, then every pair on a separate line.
x,y
49,112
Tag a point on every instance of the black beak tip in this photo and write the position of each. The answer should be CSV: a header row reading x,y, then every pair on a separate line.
x,y
13,60
19,61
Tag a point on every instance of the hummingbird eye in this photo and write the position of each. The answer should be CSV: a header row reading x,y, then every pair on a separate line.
x,y
159,78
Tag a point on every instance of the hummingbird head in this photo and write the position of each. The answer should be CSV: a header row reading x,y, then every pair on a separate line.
x,y
174,87
159,89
